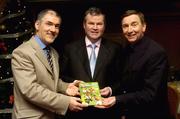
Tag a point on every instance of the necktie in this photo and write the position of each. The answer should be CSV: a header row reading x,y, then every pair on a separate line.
x,y
92,59
49,58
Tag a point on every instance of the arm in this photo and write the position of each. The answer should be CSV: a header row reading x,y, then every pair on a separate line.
x,y
35,85
154,85
153,75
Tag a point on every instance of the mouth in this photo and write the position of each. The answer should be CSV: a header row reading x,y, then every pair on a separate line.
x,y
131,35
50,35
94,33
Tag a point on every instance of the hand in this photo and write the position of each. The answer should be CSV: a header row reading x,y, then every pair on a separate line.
x,y
73,89
75,104
105,92
107,102
77,82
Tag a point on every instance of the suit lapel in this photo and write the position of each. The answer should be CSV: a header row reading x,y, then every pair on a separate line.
x,y
102,57
55,61
40,54
83,57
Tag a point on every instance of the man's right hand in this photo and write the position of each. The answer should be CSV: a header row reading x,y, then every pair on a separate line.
x,y
76,105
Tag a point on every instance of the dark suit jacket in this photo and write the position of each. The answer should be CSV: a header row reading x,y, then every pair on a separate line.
x,y
143,88
75,66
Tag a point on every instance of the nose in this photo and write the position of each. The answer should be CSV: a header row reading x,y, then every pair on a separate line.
x,y
130,29
53,28
95,26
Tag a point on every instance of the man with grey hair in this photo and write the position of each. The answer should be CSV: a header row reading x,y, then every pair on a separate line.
x,y
38,91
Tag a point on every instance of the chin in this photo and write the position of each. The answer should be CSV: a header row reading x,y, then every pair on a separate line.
x,y
132,40
50,41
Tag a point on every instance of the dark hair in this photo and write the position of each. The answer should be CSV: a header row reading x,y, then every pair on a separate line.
x,y
131,12
47,11
94,11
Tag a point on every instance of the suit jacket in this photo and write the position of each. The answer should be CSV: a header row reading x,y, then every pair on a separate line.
x,y
75,66
35,85
143,88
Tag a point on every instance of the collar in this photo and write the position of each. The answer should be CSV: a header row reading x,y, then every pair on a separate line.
x,y
88,42
137,46
38,40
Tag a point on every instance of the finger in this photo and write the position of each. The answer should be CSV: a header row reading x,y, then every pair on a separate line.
x,y
77,82
102,90
77,99
79,108
82,105
77,93
100,106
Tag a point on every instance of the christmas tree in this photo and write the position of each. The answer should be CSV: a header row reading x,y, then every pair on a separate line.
x,y
15,28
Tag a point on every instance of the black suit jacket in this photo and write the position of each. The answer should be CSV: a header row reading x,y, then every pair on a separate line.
x,y
75,63
143,88
75,66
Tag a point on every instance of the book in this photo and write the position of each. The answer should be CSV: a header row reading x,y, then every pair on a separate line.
x,y
90,93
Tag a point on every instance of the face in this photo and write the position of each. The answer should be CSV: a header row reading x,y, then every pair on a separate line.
x,y
48,28
132,28
94,27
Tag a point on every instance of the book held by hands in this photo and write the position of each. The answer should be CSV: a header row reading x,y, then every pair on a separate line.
x,y
90,93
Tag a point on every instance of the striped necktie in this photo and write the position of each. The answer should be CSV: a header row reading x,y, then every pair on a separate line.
x,y
49,58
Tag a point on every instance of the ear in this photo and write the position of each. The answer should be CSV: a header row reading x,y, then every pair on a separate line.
x,y
144,27
84,25
37,23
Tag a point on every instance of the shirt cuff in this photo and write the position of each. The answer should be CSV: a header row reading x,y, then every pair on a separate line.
x,y
110,91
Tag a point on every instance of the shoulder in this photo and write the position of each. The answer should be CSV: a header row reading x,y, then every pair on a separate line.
x,y
74,45
23,53
154,46
110,44
155,50
26,49
23,48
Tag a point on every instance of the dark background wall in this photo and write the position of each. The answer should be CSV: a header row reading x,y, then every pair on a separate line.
x,y
163,20
16,21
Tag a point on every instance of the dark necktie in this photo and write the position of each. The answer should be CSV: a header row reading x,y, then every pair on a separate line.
x,y
92,59
49,58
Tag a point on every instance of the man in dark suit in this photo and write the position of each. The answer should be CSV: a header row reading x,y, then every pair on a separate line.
x,y
76,61
143,87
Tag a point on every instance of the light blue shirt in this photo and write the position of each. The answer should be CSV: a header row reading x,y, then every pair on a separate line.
x,y
41,44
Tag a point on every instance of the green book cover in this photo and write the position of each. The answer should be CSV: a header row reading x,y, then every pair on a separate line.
x,y
90,93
